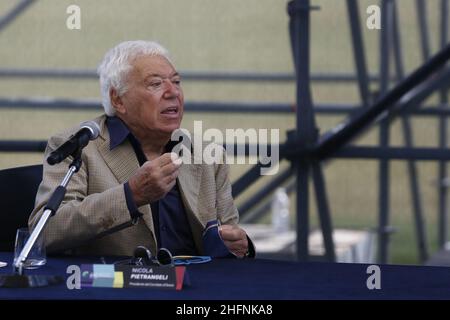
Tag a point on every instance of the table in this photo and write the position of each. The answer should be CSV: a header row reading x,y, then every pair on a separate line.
x,y
256,279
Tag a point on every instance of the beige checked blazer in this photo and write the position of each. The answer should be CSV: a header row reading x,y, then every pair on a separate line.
x,y
95,200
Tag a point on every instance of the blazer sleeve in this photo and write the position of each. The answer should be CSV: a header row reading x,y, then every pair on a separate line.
x,y
226,209
81,216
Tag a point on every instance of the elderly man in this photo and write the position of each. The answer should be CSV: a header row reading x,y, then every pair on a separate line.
x,y
131,190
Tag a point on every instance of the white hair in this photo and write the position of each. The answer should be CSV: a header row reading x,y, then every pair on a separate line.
x,y
116,65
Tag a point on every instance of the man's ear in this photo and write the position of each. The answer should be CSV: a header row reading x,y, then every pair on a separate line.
x,y
116,101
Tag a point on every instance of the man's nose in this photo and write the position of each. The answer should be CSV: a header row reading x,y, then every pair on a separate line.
x,y
171,90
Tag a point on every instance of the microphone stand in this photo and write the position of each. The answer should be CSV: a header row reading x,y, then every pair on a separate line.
x,y
18,279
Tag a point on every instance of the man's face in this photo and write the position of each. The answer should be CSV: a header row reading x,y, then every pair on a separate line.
x,y
154,99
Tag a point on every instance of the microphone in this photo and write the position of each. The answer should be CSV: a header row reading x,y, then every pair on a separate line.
x,y
142,256
89,131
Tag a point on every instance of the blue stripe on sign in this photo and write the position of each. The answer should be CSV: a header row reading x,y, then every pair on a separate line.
x,y
103,275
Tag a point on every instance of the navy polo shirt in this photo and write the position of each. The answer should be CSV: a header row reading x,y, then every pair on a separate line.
x,y
172,229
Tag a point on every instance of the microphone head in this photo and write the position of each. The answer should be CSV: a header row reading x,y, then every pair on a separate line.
x,y
164,257
93,127
142,253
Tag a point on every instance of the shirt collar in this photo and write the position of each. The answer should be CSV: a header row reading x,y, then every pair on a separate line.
x,y
119,132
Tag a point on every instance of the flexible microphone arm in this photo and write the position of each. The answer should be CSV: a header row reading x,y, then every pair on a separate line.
x,y
50,209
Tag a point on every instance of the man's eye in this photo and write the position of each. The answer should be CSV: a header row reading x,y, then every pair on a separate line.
x,y
155,84
177,82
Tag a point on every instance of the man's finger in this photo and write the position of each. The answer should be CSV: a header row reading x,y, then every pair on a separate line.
x,y
169,169
238,248
166,158
169,178
239,245
231,233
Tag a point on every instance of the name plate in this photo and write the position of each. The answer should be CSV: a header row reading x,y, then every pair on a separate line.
x,y
127,276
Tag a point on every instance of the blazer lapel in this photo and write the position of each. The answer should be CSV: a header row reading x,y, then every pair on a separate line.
x,y
189,179
123,163
189,182
121,160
